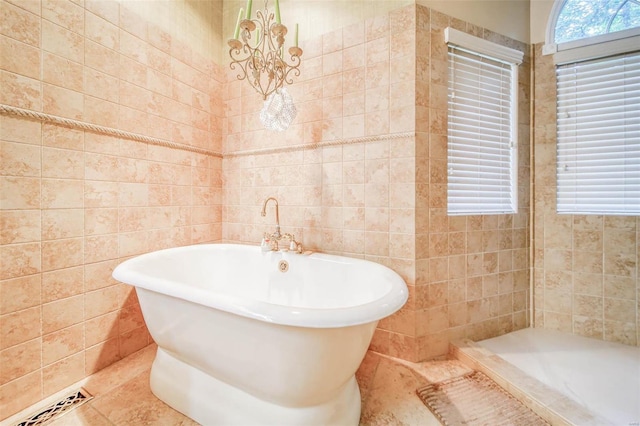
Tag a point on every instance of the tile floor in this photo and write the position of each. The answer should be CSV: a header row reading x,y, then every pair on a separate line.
x,y
122,397
388,386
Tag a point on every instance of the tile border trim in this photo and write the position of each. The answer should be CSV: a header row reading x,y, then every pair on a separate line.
x,y
109,131
324,144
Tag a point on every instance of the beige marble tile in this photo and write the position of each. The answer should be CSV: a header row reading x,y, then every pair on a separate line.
x,y
134,404
116,374
20,393
61,283
20,326
21,25
19,360
20,159
81,416
62,313
62,223
391,397
134,340
63,373
20,293
102,355
62,343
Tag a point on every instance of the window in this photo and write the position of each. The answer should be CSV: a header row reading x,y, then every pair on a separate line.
x,y
579,19
589,29
598,106
482,126
599,136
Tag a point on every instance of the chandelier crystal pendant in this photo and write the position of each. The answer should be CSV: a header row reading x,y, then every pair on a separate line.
x,y
259,52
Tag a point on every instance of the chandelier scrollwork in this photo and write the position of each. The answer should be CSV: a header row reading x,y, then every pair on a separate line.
x,y
258,51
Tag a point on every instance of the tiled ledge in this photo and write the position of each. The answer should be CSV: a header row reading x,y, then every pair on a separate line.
x,y
542,399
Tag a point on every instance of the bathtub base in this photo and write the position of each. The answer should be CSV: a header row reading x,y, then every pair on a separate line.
x,y
210,401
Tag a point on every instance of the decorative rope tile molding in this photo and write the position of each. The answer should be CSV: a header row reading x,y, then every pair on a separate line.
x,y
109,131
364,139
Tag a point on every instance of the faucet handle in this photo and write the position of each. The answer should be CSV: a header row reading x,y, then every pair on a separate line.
x,y
269,242
293,244
264,244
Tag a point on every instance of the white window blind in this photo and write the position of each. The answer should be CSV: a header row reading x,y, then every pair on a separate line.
x,y
482,134
599,136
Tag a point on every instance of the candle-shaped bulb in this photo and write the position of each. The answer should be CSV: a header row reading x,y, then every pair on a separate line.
x,y
249,4
236,34
278,12
296,37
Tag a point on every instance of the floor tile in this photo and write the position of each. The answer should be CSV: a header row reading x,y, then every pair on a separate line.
x,y
391,397
122,395
134,404
81,416
120,372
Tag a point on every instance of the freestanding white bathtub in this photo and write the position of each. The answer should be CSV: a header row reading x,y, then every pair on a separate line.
x,y
242,341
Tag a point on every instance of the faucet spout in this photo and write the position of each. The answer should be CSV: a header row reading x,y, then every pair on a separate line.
x,y
264,213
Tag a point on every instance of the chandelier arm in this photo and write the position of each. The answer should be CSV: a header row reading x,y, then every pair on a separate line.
x,y
237,63
289,80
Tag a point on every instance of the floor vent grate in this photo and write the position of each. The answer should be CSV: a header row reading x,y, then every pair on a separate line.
x,y
56,409
474,399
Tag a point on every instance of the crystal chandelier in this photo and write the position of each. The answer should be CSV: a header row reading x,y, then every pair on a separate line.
x,y
262,61
257,50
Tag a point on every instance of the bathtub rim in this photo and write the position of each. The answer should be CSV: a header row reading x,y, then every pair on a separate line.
x,y
364,313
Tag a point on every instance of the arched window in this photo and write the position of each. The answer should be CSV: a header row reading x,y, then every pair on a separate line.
x,y
596,47
580,19
583,29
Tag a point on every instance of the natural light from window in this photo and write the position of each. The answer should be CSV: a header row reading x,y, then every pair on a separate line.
x,y
598,105
580,19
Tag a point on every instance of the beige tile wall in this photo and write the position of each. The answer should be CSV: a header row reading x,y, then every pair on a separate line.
x,y
351,190
74,203
361,186
370,182
471,271
585,266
